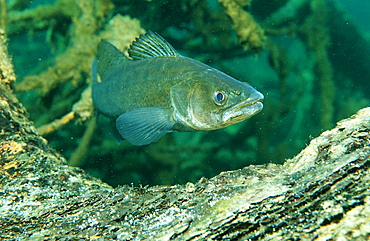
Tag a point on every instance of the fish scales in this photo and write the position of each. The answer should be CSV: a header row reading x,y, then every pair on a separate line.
x,y
141,83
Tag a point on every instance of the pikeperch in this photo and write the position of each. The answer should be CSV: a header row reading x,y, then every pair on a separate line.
x,y
158,91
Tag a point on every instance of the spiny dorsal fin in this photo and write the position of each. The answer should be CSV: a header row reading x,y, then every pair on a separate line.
x,y
108,58
151,45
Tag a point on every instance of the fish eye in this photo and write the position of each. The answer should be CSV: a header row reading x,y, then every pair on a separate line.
x,y
219,97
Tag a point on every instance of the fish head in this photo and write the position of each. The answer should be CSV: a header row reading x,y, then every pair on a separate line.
x,y
210,99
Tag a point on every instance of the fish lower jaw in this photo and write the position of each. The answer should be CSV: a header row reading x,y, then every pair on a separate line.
x,y
242,112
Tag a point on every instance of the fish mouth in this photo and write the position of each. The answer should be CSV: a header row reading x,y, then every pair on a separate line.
x,y
244,109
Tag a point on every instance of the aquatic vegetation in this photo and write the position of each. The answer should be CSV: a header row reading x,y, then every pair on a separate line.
x,y
7,74
292,51
250,34
319,39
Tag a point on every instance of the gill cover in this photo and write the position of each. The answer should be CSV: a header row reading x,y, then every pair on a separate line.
x,y
194,104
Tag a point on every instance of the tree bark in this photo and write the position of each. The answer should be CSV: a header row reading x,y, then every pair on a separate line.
x,y
322,193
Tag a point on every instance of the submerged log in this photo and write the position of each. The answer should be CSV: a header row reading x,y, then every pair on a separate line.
x,y
322,193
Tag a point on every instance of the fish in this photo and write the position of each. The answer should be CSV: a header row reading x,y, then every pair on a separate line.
x,y
155,90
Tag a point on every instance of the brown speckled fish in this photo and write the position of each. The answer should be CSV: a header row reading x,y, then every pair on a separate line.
x,y
159,91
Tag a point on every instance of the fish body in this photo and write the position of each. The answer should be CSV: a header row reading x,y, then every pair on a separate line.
x,y
159,91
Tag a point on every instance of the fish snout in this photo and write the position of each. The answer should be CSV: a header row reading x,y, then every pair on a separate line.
x,y
254,97
243,109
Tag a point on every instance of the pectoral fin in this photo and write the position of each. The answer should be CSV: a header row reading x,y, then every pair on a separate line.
x,y
145,125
